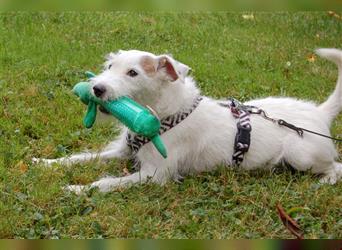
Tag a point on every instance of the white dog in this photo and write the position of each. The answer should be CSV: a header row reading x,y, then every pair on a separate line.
x,y
205,137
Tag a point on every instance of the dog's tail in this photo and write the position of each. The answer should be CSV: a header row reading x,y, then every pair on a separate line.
x,y
333,105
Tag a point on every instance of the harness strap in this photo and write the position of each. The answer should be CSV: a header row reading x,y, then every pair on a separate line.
x,y
135,141
243,135
242,138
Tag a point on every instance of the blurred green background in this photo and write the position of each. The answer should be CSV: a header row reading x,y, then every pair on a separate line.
x,y
180,5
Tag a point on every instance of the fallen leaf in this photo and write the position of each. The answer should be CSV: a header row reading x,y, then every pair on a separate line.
x,y
334,14
22,167
48,150
149,20
289,223
31,90
248,17
311,58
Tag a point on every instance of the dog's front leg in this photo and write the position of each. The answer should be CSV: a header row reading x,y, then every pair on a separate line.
x,y
116,149
156,174
153,168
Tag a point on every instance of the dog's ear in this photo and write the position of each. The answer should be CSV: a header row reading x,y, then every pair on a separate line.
x,y
160,64
167,66
173,69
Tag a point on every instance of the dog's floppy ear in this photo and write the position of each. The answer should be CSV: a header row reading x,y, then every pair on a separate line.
x,y
160,64
173,69
166,65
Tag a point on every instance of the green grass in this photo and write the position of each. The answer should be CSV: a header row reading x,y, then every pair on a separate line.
x,y
42,55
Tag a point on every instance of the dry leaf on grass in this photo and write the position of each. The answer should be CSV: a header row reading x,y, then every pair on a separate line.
x,y
334,14
289,223
149,20
22,167
311,58
248,17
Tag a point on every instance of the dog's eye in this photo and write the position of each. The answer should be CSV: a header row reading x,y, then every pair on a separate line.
x,y
132,73
109,66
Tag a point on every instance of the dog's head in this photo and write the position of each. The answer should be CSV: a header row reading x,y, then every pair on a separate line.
x,y
137,74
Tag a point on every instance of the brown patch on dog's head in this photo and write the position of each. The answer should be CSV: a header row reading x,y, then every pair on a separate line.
x,y
148,65
162,64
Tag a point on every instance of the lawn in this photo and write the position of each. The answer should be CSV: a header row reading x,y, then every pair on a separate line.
x,y
42,55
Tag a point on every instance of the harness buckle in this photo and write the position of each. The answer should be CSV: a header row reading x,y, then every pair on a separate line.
x,y
242,138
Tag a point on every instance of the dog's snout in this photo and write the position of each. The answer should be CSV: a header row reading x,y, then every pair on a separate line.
x,y
99,90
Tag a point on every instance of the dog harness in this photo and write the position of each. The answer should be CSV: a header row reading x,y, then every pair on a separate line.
x,y
243,135
135,142
244,127
239,111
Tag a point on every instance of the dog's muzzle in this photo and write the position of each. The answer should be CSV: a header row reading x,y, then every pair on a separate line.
x,y
99,90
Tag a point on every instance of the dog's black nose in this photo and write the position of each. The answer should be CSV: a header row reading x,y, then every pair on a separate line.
x,y
99,89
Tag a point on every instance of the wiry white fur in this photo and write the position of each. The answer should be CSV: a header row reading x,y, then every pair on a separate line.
x,y
334,103
206,138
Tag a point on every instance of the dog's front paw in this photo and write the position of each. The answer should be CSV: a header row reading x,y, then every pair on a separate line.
x,y
106,184
35,160
44,162
329,179
77,189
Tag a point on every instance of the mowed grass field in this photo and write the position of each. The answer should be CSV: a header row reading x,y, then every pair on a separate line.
x,y
42,55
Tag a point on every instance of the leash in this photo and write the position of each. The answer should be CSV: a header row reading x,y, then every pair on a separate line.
x,y
242,113
281,122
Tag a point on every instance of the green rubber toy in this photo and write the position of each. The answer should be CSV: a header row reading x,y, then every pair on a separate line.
x,y
136,117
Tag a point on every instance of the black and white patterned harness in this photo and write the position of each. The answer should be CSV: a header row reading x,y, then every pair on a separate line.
x,y
244,128
135,142
239,111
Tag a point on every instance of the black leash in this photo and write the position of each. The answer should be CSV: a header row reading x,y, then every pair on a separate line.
x,y
300,130
242,140
280,122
